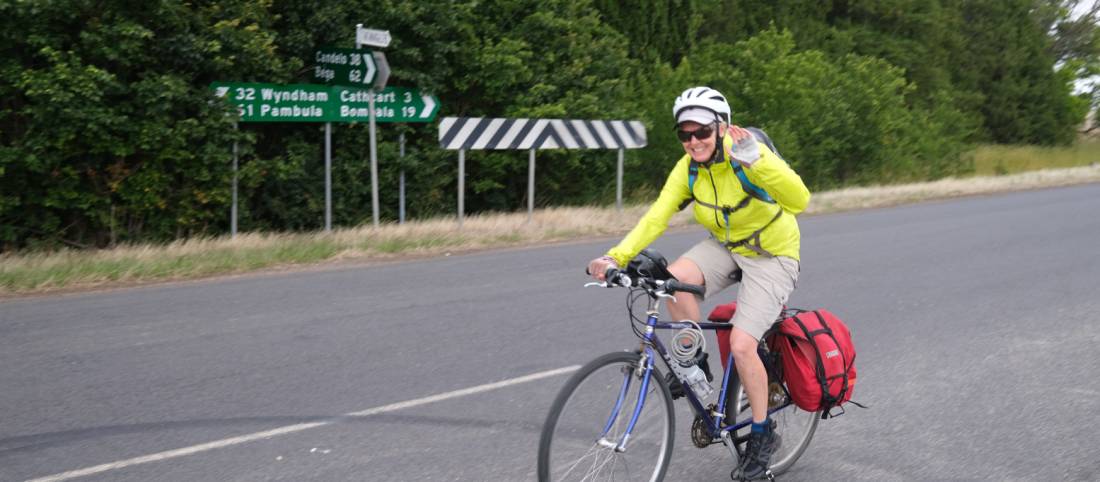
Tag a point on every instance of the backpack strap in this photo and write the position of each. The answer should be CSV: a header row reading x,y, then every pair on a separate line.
x,y
752,241
693,172
750,188
747,185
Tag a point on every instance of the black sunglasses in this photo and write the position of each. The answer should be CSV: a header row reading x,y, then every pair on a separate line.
x,y
700,133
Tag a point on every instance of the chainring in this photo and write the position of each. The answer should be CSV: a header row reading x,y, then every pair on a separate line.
x,y
699,434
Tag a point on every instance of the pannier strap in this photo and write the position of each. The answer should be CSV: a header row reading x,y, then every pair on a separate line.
x,y
829,399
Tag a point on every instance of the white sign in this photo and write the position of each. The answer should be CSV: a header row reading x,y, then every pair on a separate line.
x,y
374,38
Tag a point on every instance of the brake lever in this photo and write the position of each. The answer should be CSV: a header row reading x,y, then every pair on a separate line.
x,y
661,293
620,279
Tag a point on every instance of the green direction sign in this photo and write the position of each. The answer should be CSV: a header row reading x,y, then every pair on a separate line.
x,y
392,104
351,67
280,103
323,103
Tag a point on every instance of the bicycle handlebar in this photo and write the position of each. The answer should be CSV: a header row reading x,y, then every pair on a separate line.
x,y
617,277
673,286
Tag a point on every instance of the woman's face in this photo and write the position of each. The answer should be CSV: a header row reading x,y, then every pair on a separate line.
x,y
700,150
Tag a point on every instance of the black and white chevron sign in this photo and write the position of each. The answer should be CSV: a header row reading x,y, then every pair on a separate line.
x,y
471,133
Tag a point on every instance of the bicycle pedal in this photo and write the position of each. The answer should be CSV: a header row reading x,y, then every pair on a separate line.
x,y
769,475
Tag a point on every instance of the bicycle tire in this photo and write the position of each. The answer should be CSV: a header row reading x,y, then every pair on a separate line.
x,y
794,425
576,422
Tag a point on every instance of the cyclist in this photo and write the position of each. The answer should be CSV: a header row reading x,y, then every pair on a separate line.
x,y
751,219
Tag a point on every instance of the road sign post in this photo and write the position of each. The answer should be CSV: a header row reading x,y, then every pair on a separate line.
x,y
233,209
373,164
371,115
531,185
328,176
401,180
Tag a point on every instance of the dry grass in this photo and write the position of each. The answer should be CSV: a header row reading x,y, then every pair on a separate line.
x,y
196,258
996,160
877,196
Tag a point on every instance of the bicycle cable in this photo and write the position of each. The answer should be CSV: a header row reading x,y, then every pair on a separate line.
x,y
632,297
687,342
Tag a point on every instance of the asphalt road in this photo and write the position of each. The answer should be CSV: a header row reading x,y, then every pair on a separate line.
x,y
977,323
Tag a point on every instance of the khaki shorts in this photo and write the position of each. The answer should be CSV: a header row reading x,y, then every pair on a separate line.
x,y
766,284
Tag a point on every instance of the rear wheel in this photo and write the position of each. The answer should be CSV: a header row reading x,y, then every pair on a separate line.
x,y
589,419
795,426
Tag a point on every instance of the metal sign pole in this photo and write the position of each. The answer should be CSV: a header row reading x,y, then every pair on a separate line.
x,y
328,176
531,185
233,210
461,182
401,182
373,142
373,162
619,182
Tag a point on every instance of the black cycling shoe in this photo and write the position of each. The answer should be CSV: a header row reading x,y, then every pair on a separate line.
x,y
758,456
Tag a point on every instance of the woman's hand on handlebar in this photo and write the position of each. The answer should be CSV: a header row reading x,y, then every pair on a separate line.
x,y
599,266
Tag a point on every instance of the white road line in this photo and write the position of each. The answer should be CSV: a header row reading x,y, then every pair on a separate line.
x,y
226,442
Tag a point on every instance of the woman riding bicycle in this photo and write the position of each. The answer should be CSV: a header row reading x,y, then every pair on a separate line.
x,y
747,196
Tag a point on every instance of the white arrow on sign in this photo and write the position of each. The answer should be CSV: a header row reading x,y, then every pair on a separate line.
x,y
429,106
383,70
369,60
374,38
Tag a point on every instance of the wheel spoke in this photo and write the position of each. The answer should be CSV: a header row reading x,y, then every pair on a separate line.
x,y
794,425
594,406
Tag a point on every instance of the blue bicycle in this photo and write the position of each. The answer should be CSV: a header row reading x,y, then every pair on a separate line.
x,y
614,419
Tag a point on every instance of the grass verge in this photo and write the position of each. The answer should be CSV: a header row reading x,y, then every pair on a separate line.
x,y
998,160
195,258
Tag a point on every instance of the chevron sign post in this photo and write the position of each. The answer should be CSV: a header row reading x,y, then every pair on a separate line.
x,y
479,133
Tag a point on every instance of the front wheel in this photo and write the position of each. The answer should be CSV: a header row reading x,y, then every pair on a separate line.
x,y
795,426
585,435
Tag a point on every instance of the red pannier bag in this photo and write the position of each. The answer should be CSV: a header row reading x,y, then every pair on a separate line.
x,y
817,357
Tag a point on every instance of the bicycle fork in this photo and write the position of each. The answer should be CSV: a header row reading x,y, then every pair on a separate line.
x,y
644,370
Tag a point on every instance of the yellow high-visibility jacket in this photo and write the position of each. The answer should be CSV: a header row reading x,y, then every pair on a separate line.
x,y
718,185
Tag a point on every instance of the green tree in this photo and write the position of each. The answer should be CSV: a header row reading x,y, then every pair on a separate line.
x,y
1007,59
107,132
837,121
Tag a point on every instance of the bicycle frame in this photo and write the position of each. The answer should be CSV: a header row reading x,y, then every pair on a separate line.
x,y
715,424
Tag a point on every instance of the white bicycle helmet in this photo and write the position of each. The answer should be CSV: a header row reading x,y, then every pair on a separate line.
x,y
688,103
